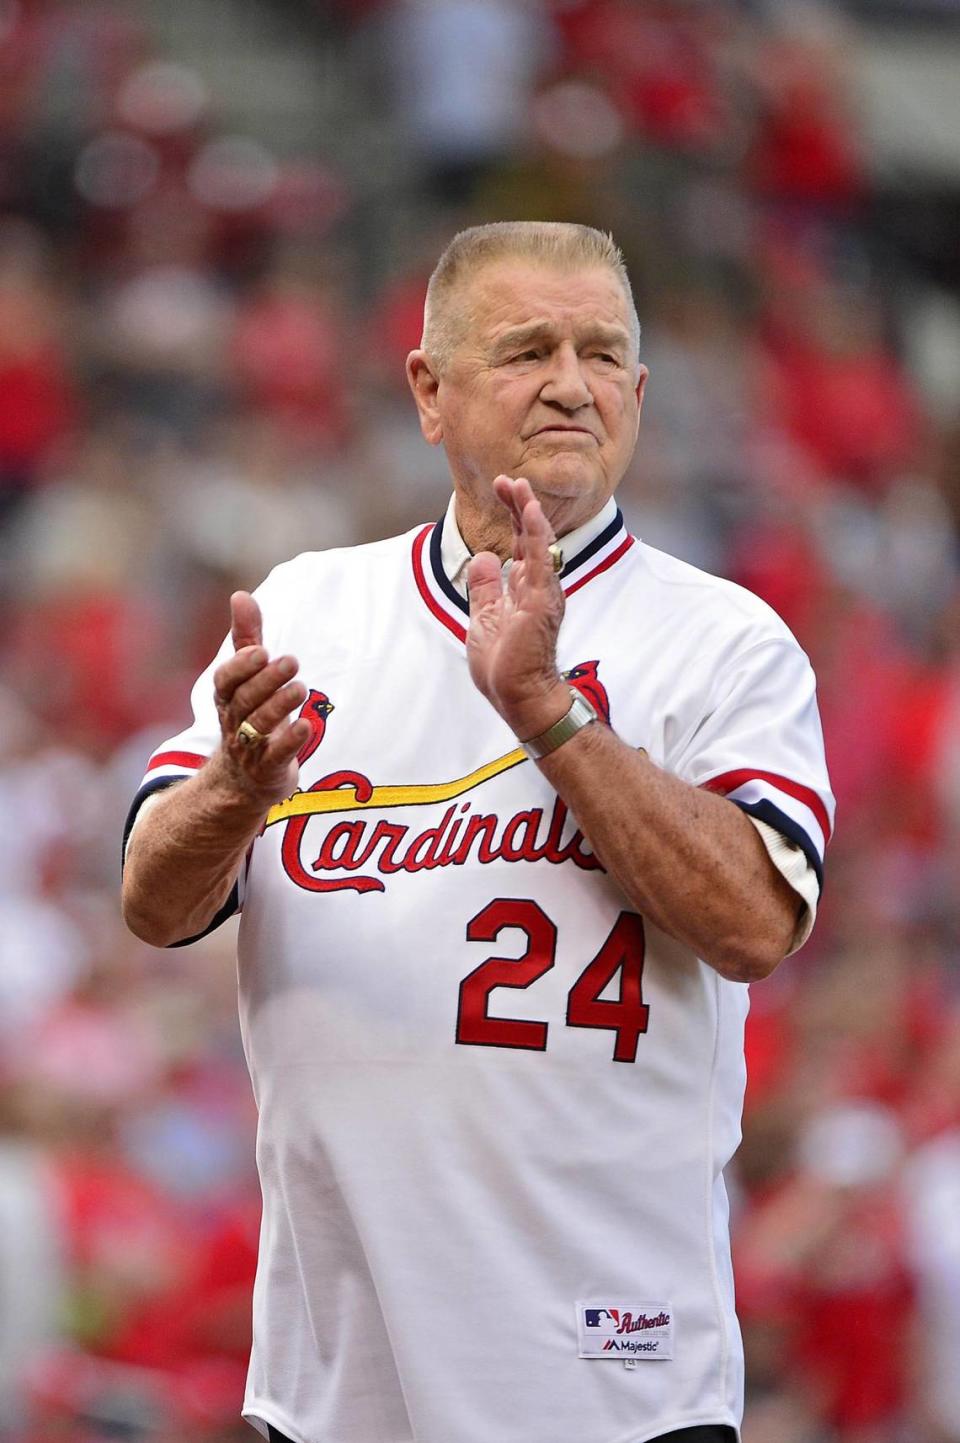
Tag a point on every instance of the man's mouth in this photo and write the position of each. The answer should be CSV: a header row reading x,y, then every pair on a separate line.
x,y
564,431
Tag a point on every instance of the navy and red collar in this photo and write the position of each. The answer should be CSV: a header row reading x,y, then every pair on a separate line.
x,y
597,550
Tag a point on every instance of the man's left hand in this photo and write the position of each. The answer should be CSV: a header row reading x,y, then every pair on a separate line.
x,y
512,640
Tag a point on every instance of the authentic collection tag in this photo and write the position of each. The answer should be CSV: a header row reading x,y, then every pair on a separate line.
x,y
625,1330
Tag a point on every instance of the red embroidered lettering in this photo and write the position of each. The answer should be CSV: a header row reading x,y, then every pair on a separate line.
x,y
476,825
350,834
293,837
393,835
445,856
430,840
526,850
353,844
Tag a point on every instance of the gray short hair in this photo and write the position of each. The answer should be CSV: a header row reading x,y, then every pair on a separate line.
x,y
556,243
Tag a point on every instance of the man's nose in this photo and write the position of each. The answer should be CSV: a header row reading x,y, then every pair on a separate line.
x,y
566,384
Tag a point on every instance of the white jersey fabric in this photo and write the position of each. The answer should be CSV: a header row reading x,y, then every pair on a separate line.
x,y
494,1104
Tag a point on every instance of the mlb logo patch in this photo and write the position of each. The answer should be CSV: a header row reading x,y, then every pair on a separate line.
x,y
626,1331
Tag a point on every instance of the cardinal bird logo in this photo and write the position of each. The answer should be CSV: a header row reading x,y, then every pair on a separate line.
x,y
316,709
584,678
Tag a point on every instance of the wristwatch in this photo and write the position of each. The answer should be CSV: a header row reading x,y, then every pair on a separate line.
x,y
581,714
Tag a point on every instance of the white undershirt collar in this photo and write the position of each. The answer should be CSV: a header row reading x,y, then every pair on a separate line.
x,y
455,554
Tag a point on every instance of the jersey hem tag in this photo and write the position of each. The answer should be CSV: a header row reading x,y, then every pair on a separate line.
x,y
634,1331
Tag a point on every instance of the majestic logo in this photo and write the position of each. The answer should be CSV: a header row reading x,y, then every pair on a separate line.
x,y
630,1345
359,847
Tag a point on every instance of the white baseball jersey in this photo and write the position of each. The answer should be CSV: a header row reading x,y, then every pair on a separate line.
x,y
495,1104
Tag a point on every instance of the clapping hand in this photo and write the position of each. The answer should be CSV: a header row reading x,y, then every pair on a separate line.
x,y
254,697
512,640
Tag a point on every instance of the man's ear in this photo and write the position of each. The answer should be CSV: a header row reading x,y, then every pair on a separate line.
x,y
642,376
425,383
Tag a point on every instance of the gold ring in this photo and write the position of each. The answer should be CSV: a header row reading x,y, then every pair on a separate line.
x,y
556,556
248,736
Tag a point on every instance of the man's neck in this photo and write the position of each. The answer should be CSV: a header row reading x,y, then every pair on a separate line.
x,y
483,530
489,528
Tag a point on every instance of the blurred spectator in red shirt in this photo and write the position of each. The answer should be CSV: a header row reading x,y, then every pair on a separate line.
x,y
288,352
822,1261
806,148
831,383
863,671
661,64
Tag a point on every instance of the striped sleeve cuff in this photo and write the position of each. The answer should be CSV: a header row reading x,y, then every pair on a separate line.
x,y
795,811
794,866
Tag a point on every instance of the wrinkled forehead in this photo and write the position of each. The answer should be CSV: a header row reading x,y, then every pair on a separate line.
x,y
514,296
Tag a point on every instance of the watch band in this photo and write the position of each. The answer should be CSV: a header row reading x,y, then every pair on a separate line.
x,y
581,714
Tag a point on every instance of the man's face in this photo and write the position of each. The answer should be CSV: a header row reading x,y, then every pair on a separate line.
x,y
544,383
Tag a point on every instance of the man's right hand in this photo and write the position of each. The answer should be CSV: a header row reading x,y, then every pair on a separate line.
x,y
251,688
185,855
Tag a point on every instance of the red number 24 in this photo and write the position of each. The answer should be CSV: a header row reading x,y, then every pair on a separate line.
x,y
623,952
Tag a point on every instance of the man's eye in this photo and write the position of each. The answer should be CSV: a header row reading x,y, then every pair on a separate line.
x,y
607,358
526,356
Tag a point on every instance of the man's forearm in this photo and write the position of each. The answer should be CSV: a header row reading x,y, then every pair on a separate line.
x,y
185,854
689,860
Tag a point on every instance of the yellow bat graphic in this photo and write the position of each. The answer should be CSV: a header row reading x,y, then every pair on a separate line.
x,y
344,799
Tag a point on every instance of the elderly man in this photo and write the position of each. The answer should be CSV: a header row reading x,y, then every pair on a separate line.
x,y
533,805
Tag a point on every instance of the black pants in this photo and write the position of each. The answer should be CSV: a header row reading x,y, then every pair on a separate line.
x,y
712,1433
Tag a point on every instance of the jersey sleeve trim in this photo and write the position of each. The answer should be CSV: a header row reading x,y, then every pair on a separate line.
x,y
794,866
796,811
765,811
731,784
176,759
151,789
229,908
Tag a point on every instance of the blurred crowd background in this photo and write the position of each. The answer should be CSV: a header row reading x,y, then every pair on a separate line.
x,y
216,222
